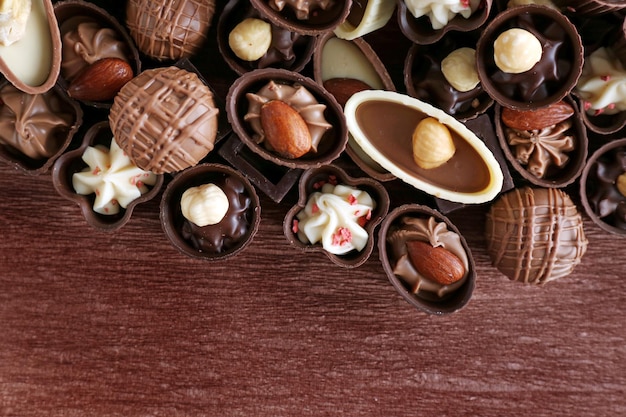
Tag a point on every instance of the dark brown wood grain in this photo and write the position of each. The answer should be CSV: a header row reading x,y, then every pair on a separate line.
x,y
122,324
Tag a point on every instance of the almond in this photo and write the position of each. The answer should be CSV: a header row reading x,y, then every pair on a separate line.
x,y
537,119
435,263
285,130
343,88
101,80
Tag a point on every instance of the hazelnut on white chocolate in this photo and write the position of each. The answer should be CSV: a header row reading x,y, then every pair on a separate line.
x,y
250,39
459,69
516,51
204,205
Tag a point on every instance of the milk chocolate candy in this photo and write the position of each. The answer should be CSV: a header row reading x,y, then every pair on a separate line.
x,y
165,119
414,222
309,17
535,235
35,129
169,29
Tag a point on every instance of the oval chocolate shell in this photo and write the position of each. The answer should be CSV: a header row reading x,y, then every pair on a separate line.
x,y
32,63
383,122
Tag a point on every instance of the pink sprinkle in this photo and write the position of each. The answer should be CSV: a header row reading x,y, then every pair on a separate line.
x,y
332,179
96,171
587,105
342,237
315,208
294,226
605,77
611,106
598,112
139,183
319,185
352,200
465,3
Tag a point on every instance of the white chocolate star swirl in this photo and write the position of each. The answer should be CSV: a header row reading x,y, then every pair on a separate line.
x,y
112,176
602,84
335,216
440,12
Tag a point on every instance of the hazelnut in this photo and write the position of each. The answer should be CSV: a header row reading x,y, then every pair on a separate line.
x,y
204,205
516,51
250,39
621,184
459,69
432,143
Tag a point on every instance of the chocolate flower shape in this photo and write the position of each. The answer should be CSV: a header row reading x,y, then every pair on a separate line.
x,y
538,149
311,182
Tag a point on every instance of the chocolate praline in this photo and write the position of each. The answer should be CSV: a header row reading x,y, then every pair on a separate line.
x,y
310,182
425,300
601,198
35,129
535,235
221,240
332,142
550,79
544,147
71,162
171,29
104,37
424,79
289,50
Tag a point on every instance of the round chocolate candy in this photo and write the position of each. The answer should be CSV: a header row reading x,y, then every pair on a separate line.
x,y
535,235
169,29
165,119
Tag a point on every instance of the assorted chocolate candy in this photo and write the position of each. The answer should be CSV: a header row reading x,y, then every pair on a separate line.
x,y
547,78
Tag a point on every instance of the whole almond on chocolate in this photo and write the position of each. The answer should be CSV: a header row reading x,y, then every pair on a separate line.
x,y
101,80
435,263
285,130
343,88
536,119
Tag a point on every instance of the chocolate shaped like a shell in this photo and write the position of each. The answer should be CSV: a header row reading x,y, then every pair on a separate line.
x,y
535,235
165,119
32,64
429,297
382,123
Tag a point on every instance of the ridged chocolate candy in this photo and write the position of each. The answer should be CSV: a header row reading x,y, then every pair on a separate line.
x,y
169,29
535,235
165,119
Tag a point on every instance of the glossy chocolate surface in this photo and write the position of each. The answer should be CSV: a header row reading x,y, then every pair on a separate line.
x,y
306,17
464,172
551,78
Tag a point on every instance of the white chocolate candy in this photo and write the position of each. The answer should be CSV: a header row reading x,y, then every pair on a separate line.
x,y
516,50
113,177
250,39
204,205
602,84
332,215
440,12
13,17
459,69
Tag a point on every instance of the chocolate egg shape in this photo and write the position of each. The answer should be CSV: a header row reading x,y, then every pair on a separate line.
x,y
32,61
344,67
383,123
169,29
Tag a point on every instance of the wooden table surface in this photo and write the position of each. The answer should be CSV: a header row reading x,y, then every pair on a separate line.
x,y
122,324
